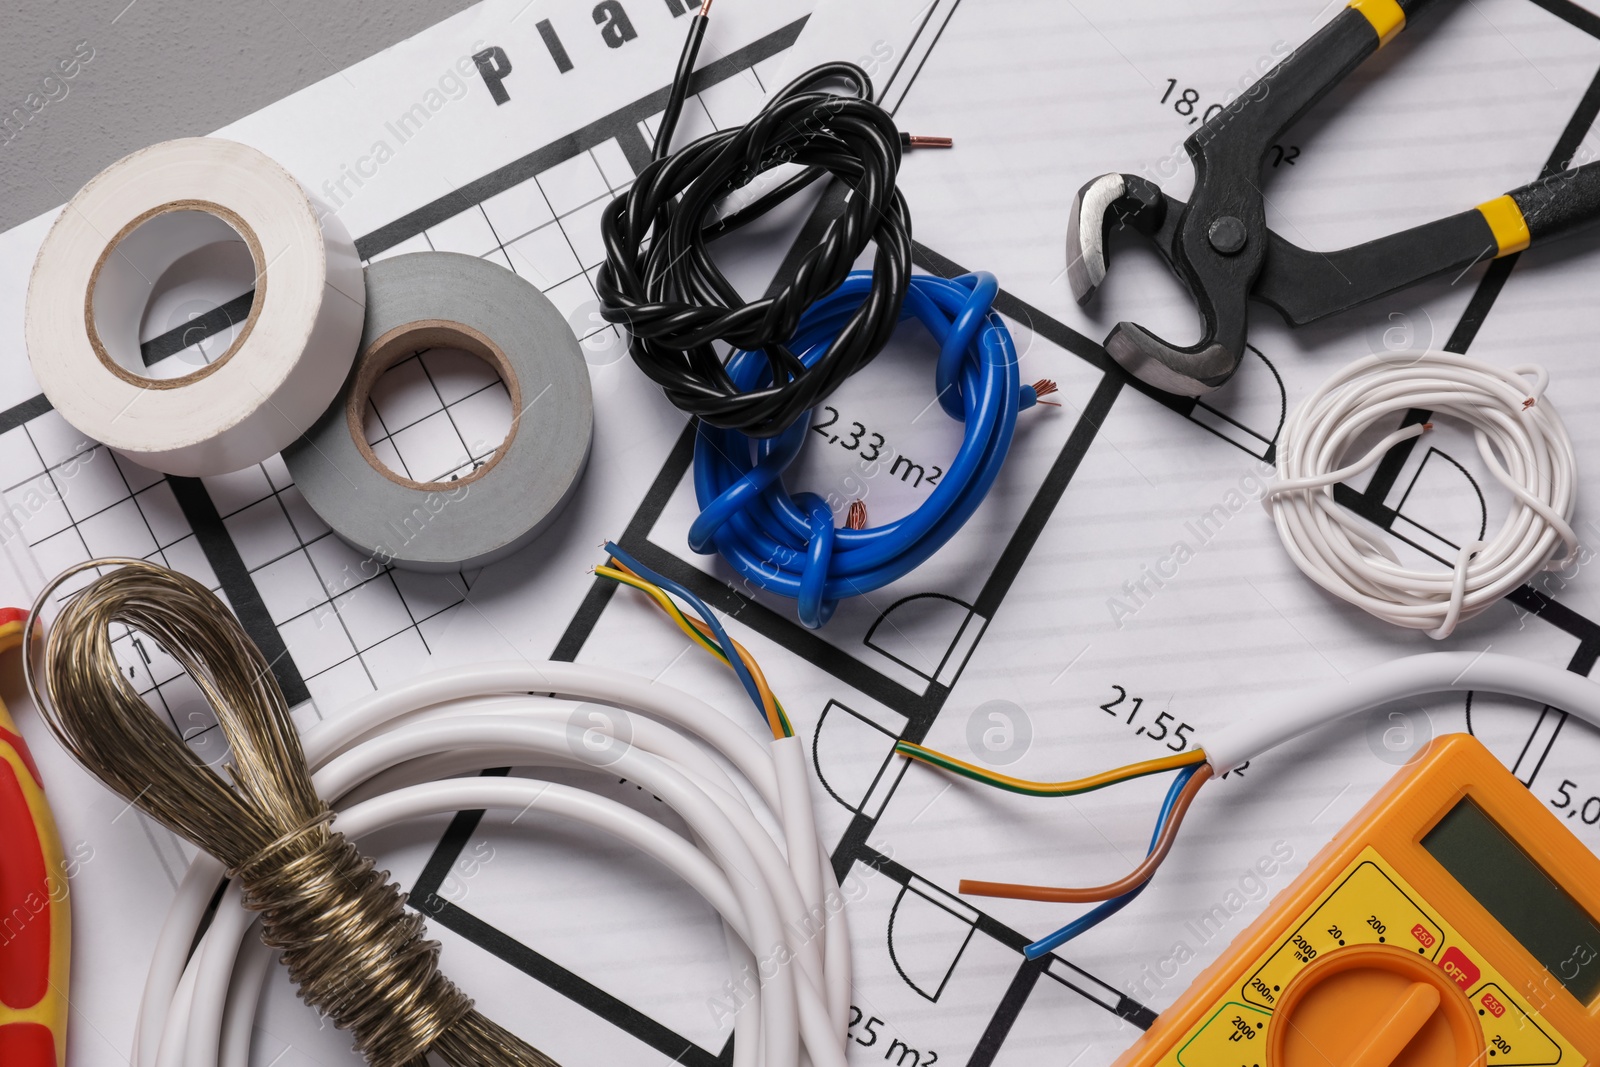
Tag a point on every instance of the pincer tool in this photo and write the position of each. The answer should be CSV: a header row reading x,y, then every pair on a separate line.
x,y
1218,243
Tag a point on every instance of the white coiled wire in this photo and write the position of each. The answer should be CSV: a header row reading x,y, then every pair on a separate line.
x,y
387,759
1522,442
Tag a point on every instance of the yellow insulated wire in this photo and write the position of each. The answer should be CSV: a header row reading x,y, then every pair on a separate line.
x,y
701,634
933,758
696,633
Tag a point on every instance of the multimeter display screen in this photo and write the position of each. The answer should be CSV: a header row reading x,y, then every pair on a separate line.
x,y
1520,895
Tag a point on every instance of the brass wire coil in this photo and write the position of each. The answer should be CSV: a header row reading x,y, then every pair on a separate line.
x,y
349,944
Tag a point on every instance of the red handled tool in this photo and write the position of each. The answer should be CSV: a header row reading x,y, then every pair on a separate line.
x,y
35,924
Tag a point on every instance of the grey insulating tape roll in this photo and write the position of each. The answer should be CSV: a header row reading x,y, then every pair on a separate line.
x,y
446,300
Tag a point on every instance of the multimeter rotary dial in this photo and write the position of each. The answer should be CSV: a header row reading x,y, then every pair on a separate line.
x,y
1374,1006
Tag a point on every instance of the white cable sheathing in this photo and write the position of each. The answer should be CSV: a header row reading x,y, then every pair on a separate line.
x,y
1522,442
1434,672
815,876
379,761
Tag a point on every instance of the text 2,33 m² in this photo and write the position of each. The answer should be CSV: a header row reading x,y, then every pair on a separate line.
x,y
871,448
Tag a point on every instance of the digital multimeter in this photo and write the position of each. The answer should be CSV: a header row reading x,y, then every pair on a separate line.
x,y
1452,923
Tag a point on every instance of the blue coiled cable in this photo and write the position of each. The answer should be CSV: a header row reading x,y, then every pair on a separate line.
x,y
788,544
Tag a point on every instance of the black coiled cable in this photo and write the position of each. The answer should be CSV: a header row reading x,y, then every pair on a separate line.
x,y
660,282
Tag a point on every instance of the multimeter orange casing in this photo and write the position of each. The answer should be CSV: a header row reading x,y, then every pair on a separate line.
x,y
1376,885
35,925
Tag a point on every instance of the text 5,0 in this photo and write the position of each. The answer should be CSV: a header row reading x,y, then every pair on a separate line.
x,y
1587,809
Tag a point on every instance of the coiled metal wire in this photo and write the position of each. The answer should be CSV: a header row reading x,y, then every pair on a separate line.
x,y
350,946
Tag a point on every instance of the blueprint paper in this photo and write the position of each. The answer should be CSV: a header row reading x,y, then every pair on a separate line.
x,y
1066,605
412,152
1027,642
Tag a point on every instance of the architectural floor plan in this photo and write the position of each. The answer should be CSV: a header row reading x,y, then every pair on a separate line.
x,y
1064,629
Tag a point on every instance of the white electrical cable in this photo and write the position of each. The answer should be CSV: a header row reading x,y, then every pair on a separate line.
x,y
380,761
1519,436
1434,672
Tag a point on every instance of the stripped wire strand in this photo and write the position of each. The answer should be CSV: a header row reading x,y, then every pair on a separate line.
x,y
702,635
1097,915
706,635
687,596
1071,788
1194,771
1127,883
679,91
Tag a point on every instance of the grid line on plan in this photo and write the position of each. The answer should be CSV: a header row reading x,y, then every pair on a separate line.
x,y
78,500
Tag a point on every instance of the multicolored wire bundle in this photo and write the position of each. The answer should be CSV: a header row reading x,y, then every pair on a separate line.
x,y
1193,772
706,631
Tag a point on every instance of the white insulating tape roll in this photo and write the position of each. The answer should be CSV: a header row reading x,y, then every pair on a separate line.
x,y
105,256
446,300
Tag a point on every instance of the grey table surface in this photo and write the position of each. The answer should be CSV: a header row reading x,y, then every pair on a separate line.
x,y
157,69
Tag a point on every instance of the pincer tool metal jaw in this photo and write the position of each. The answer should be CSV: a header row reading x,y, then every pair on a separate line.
x,y
1128,201
1220,248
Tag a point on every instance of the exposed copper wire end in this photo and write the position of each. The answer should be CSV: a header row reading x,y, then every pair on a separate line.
x,y
1043,388
705,8
856,518
922,140
1427,426
1528,403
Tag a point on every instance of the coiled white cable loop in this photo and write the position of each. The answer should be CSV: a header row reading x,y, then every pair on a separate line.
x,y
386,759
1522,442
